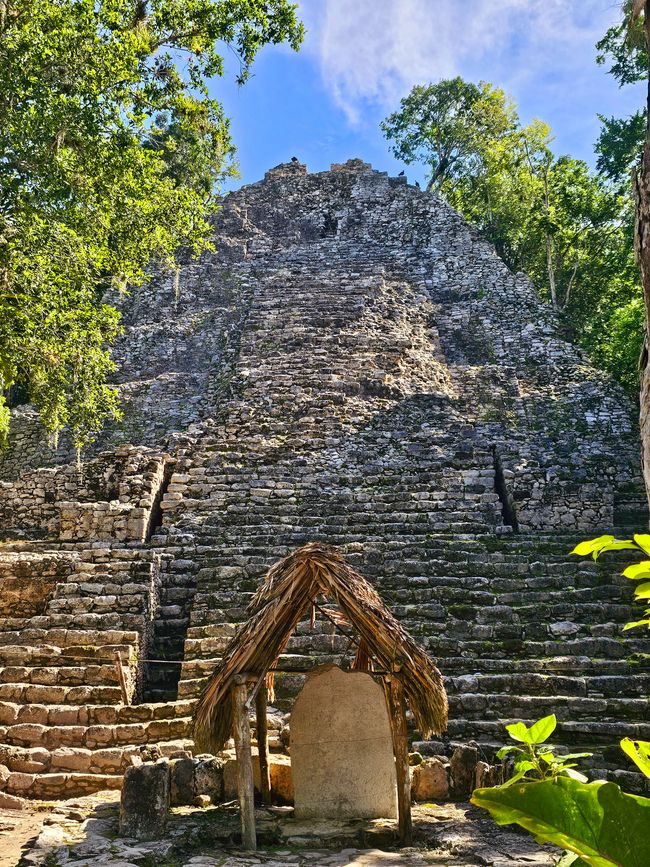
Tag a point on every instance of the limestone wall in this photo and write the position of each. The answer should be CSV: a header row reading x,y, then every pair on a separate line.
x,y
111,497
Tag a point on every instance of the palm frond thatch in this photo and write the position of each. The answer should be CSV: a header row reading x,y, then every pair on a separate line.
x,y
288,592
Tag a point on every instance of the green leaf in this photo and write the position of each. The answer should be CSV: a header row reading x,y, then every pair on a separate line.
x,y
643,541
634,623
519,732
568,771
570,860
542,729
638,570
597,821
504,751
639,752
569,756
642,591
582,549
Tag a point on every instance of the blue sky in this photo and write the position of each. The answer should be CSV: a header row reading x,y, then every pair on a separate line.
x,y
360,57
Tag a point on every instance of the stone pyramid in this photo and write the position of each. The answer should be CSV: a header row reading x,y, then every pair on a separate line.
x,y
352,364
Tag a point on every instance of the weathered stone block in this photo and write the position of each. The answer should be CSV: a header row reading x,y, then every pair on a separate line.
x,y
430,780
463,772
145,801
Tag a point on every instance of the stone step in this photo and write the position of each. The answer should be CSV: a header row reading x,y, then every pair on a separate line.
x,y
565,707
550,684
59,786
52,656
107,760
90,622
62,675
568,732
28,693
29,734
92,715
66,638
578,666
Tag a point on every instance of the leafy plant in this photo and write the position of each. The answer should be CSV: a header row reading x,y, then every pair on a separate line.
x,y
569,228
597,822
636,572
111,152
535,760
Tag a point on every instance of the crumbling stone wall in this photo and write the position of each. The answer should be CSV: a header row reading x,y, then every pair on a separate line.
x,y
110,498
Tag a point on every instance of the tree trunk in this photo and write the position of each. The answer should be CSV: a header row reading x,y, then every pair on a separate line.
x,y
642,247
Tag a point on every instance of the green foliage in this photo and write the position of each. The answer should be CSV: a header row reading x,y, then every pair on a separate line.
x,y
595,821
623,48
568,228
598,822
535,761
635,572
111,150
639,752
444,125
619,146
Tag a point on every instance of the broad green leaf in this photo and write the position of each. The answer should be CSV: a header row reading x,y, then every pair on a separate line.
x,y
642,591
643,541
635,623
519,732
542,729
570,860
568,771
592,545
639,752
597,821
570,756
504,751
638,570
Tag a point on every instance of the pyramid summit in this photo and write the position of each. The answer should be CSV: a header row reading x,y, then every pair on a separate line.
x,y
353,364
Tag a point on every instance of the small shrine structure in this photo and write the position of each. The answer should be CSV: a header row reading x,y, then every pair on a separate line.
x,y
302,584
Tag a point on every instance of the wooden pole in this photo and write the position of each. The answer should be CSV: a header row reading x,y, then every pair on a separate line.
x,y
397,708
120,678
245,781
263,742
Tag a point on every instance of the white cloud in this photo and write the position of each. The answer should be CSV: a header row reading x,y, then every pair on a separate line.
x,y
371,52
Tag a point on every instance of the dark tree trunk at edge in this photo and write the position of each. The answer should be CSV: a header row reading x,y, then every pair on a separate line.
x,y
642,247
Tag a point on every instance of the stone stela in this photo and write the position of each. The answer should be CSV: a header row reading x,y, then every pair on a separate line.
x,y
341,748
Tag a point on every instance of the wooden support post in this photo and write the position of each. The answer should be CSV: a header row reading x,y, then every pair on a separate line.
x,y
397,708
262,742
120,678
245,782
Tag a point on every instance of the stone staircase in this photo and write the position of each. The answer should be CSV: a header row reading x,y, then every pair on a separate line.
x,y
518,628
65,726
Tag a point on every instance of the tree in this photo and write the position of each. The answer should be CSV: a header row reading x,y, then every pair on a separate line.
x,y
568,228
444,124
110,153
640,15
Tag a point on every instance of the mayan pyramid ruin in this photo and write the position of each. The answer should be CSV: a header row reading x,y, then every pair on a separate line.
x,y
353,364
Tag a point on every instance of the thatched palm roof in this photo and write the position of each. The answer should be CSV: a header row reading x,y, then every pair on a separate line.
x,y
289,589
